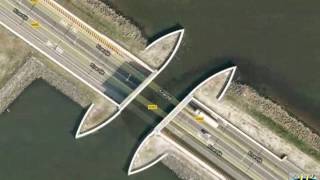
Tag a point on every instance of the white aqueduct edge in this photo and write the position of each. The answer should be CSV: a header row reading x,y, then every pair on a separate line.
x,y
133,94
138,90
173,113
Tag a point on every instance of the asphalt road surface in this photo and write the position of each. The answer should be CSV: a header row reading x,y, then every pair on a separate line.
x,y
234,150
113,75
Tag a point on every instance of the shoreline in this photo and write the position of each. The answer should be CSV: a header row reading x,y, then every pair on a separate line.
x,y
32,70
118,27
267,99
278,113
309,119
273,118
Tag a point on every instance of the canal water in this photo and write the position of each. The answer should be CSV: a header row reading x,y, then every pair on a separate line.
x,y
36,141
274,43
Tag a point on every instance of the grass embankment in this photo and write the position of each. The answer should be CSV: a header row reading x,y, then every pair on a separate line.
x,y
276,128
13,54
104,19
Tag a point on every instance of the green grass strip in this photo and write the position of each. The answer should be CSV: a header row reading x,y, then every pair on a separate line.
x,y
276,128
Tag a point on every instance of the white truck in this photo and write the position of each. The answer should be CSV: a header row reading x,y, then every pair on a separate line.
x,y
59,50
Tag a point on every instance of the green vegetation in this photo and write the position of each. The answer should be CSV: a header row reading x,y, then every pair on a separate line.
x,y
283,133
276,128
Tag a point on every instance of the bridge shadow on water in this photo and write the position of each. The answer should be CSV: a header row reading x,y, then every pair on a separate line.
x,y
121,84
140,123
154,120
222,63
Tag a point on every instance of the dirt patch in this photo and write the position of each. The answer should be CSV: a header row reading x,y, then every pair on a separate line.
x,y
157,54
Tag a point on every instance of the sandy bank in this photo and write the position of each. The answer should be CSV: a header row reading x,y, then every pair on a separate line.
x,y
249,97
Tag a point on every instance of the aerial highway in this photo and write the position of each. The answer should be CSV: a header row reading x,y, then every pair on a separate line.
x,y
233,149
198,130
110,73
93,58
115,74
201,151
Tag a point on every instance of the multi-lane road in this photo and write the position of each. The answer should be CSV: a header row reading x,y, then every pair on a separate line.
x,y
99,62
228,149
117,75
113,74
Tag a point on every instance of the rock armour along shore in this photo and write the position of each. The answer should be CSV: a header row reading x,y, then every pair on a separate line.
x,y
131,36
270,109
32,70
184,169
118,27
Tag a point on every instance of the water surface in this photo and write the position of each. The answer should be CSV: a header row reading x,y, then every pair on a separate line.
x,y
36,141
274,43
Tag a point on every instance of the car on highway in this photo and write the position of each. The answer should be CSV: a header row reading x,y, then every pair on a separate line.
x,y
257,158
165,94
205,133
216,151
103,50
96,68
19,13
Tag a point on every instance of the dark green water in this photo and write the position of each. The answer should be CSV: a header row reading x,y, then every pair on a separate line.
x,y
36,142
274,43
